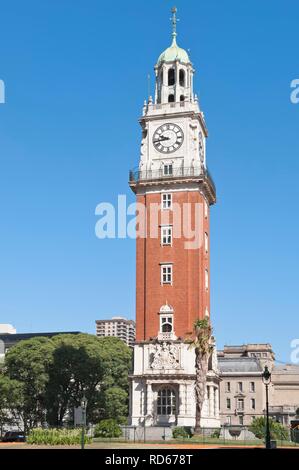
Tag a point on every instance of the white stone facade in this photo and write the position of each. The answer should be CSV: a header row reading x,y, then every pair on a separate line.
x,y
186,115
170,365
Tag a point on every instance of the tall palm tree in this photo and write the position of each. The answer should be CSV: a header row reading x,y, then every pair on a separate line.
x,y
203,346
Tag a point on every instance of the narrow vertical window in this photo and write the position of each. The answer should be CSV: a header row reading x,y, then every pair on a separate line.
x,y
168,169
166,235
166,201
206,242
182,77
240,404
166,274
206,279
166,324
206,209
171,77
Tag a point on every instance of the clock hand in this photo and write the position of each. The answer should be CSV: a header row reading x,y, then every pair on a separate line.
x,y
161,139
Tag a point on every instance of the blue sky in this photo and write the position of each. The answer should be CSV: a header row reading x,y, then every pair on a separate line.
x,y
76,77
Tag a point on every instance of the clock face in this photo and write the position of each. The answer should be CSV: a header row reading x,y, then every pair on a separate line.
x,y
168,138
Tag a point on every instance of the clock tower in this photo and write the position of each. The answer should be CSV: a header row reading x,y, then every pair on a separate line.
x,y
173,185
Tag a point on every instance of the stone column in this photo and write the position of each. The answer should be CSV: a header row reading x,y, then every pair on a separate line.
x,y
156,85
191,84
205,411
177,83
181,400
212,407
164,89
149,401
217,402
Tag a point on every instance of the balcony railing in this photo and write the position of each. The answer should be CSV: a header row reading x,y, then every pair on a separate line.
x,y
179,172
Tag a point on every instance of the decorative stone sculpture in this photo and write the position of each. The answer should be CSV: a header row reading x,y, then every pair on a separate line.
x,y
165,356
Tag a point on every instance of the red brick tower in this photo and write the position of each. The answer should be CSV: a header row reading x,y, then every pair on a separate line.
x,y
174,191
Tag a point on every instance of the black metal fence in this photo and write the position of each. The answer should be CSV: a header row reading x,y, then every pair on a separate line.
x,y
224,436
176,172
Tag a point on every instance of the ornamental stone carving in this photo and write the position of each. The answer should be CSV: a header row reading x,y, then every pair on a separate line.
x,y
165,356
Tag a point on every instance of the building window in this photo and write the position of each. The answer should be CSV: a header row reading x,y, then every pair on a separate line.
x,y
166,201
171,77
206,209
252,402
206,242
241,420
182,77
182,98
252,387
240,386
228,421
166,274
166,402
240,404
167,169
228,403
206,279
166,236
166,324
171,98
227,386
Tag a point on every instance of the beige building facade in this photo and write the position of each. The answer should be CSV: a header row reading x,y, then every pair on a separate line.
x,y
242,391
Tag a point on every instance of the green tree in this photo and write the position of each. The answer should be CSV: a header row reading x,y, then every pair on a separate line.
x,y
203,346
49,376
277,430
86,365
115,402
26,364
76,369
11,399
117,363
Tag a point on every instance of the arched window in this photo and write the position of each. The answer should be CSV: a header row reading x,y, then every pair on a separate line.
x,y
171,99
166,324
166,403
171,77
182,77
182,98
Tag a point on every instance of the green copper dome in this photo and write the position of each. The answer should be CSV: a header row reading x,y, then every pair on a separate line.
x,y
173,53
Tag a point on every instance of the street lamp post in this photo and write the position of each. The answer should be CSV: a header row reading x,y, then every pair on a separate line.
x,y
83,409
266,376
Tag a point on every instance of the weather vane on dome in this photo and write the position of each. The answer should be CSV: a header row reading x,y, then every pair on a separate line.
x,y
174,21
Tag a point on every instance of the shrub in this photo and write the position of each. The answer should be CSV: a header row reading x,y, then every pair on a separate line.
x,y
55,436
216,434
182,432
277,430
107,428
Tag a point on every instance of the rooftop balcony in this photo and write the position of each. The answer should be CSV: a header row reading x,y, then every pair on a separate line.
x,y
179,174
